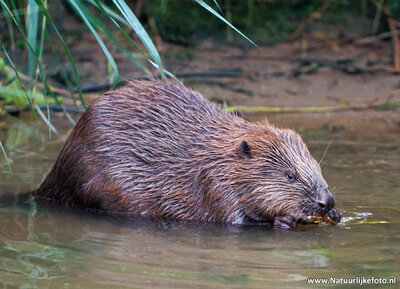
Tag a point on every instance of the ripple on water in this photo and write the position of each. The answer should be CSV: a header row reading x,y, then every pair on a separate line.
x,y
48,246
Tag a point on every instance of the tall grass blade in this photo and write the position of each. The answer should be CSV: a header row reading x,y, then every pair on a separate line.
x,y
7,9
37,61
168,73
26,94
65,47
78,7
109,12
10,29
141,33
113,17
32,28
215,13
40,55
15,14
110,35
48,123
7,160
219,7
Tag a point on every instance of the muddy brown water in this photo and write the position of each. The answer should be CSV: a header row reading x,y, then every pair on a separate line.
x,y
48,246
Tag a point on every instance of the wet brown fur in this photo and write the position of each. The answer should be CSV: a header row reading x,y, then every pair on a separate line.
x,y
158,149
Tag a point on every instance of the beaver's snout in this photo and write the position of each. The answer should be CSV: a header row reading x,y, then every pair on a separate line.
x,y
326,201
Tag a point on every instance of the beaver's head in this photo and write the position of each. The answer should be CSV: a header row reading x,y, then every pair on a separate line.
x,y
280,177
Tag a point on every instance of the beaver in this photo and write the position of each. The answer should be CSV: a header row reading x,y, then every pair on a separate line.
x,y
158,149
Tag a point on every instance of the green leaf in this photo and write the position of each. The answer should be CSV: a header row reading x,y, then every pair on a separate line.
x,y
109,34
212,11
219,8
113,17
41,71
78,7
16,14
168,73
13,94
16,74
7,160
26,94
10,28
65,47
109,12
31,27
141,33
40,55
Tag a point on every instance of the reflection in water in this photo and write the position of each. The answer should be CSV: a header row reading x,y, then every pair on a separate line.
x,y
53,243
44,245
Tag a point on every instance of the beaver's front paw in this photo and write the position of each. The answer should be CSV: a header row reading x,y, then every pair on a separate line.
x,y
334,215
284,222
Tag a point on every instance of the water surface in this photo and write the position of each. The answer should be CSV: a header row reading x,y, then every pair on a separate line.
x,y
49,246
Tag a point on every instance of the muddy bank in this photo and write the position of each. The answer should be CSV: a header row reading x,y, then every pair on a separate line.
x,y
284,75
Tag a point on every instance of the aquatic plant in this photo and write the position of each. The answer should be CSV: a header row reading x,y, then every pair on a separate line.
x,y
102,19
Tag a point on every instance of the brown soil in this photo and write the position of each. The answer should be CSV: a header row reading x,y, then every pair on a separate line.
x,y
327,74
350,74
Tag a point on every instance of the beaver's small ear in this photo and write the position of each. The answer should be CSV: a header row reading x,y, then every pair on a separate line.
x,y
245,148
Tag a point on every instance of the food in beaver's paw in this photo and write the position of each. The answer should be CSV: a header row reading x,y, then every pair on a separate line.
x,y
318,219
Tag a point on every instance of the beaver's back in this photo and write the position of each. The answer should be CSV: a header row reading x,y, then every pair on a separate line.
x,y
159,115
138,149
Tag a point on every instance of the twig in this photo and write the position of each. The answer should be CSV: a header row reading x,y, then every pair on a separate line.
x,y
379,5
344,65
236,72
309,20
355,144
396,45
223,85
375,38
39,84
54,108
311,109
392,25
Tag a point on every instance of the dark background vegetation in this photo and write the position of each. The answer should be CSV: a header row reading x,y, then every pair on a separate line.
x,y
265,21
181,30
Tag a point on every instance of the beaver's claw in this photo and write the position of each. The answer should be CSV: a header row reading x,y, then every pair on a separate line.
x,y
284,222
334,215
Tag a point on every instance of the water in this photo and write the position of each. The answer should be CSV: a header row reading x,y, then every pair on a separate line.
x,y
49,246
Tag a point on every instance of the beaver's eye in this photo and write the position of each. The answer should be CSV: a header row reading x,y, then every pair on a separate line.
x,y
290,177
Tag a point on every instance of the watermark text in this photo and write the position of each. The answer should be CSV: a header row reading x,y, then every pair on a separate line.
x,y
352,281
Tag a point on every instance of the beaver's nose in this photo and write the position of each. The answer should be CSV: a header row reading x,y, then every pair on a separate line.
x,y
325,200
